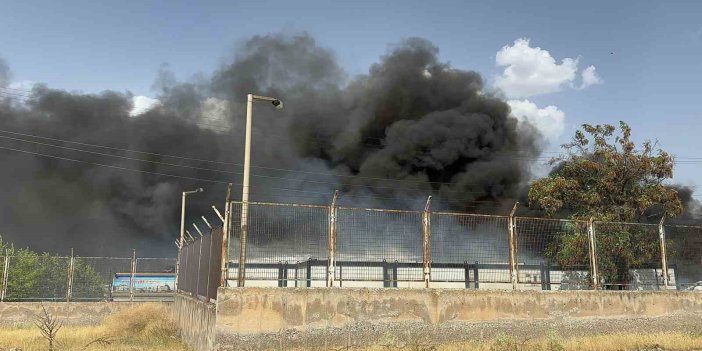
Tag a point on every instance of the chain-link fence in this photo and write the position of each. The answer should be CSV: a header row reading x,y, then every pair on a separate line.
x,y
553,253
684,252
469,248
93,276
629,255
286,243
28,276
301,245
291,245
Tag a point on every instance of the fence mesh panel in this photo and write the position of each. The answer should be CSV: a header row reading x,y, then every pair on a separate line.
x,y
155,265
92,276
470,240
37,277
628,255
553,252
684,252
279,234
368,239
287,246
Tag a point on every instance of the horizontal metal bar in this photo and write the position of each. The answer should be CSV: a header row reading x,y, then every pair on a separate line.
x,y
448,213
381,264
553,220
462,214
107,258
682,226
627,223
280,204
378,210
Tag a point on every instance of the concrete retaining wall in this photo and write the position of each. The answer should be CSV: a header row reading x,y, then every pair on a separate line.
x,y
196,321
71,313
319,318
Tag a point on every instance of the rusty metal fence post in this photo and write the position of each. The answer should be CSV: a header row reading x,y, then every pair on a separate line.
x,y
331,241
69,283
593,253
131,277
426,242
513,266
6,273
243,233
664,255
226,230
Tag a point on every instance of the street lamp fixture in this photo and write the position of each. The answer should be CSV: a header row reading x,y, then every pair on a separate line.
x,y
245,186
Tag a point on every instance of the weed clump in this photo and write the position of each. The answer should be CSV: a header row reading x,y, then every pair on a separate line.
x,y
146,321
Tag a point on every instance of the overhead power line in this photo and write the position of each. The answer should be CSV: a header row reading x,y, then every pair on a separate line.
x,y
263,188
221,162
221,170
110,166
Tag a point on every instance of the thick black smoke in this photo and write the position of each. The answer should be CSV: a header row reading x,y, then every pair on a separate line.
x,y
413,126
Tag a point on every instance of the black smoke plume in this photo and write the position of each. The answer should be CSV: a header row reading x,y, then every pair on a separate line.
x,y
412,126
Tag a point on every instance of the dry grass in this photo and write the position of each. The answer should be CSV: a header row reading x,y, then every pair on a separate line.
x,y
677,341
143,327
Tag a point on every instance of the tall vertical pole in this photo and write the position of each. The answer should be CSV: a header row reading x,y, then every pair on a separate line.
x,y
131,277
426,241
593,253
181,239
245,192
513,264
331,241
5,275
664,255
226,229
69,284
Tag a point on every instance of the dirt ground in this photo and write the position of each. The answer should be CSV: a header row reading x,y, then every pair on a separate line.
x,y
138,328
144,327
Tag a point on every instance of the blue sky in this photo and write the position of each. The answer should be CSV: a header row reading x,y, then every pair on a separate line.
x,y
651,81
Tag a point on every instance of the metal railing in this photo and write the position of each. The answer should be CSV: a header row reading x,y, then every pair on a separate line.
x,y
308,245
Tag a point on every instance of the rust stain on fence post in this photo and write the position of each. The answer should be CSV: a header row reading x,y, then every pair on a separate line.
x,y
69,284
331,241
131,278
664,255
513,267
426,242
593,253
225,235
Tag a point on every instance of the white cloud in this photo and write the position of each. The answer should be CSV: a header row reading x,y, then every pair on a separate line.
x,y
143,104
550,121
590,77
25,85
530,71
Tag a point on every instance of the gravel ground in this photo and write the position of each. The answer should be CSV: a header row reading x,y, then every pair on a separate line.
x,y
418,333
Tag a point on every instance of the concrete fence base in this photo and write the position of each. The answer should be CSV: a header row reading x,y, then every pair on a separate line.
x,y
322,318
196,321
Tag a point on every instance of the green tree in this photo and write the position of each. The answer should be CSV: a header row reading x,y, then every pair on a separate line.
x,y
41,276
603,176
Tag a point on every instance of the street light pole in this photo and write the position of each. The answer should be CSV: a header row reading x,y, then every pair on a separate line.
x,y
250,98
182,229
